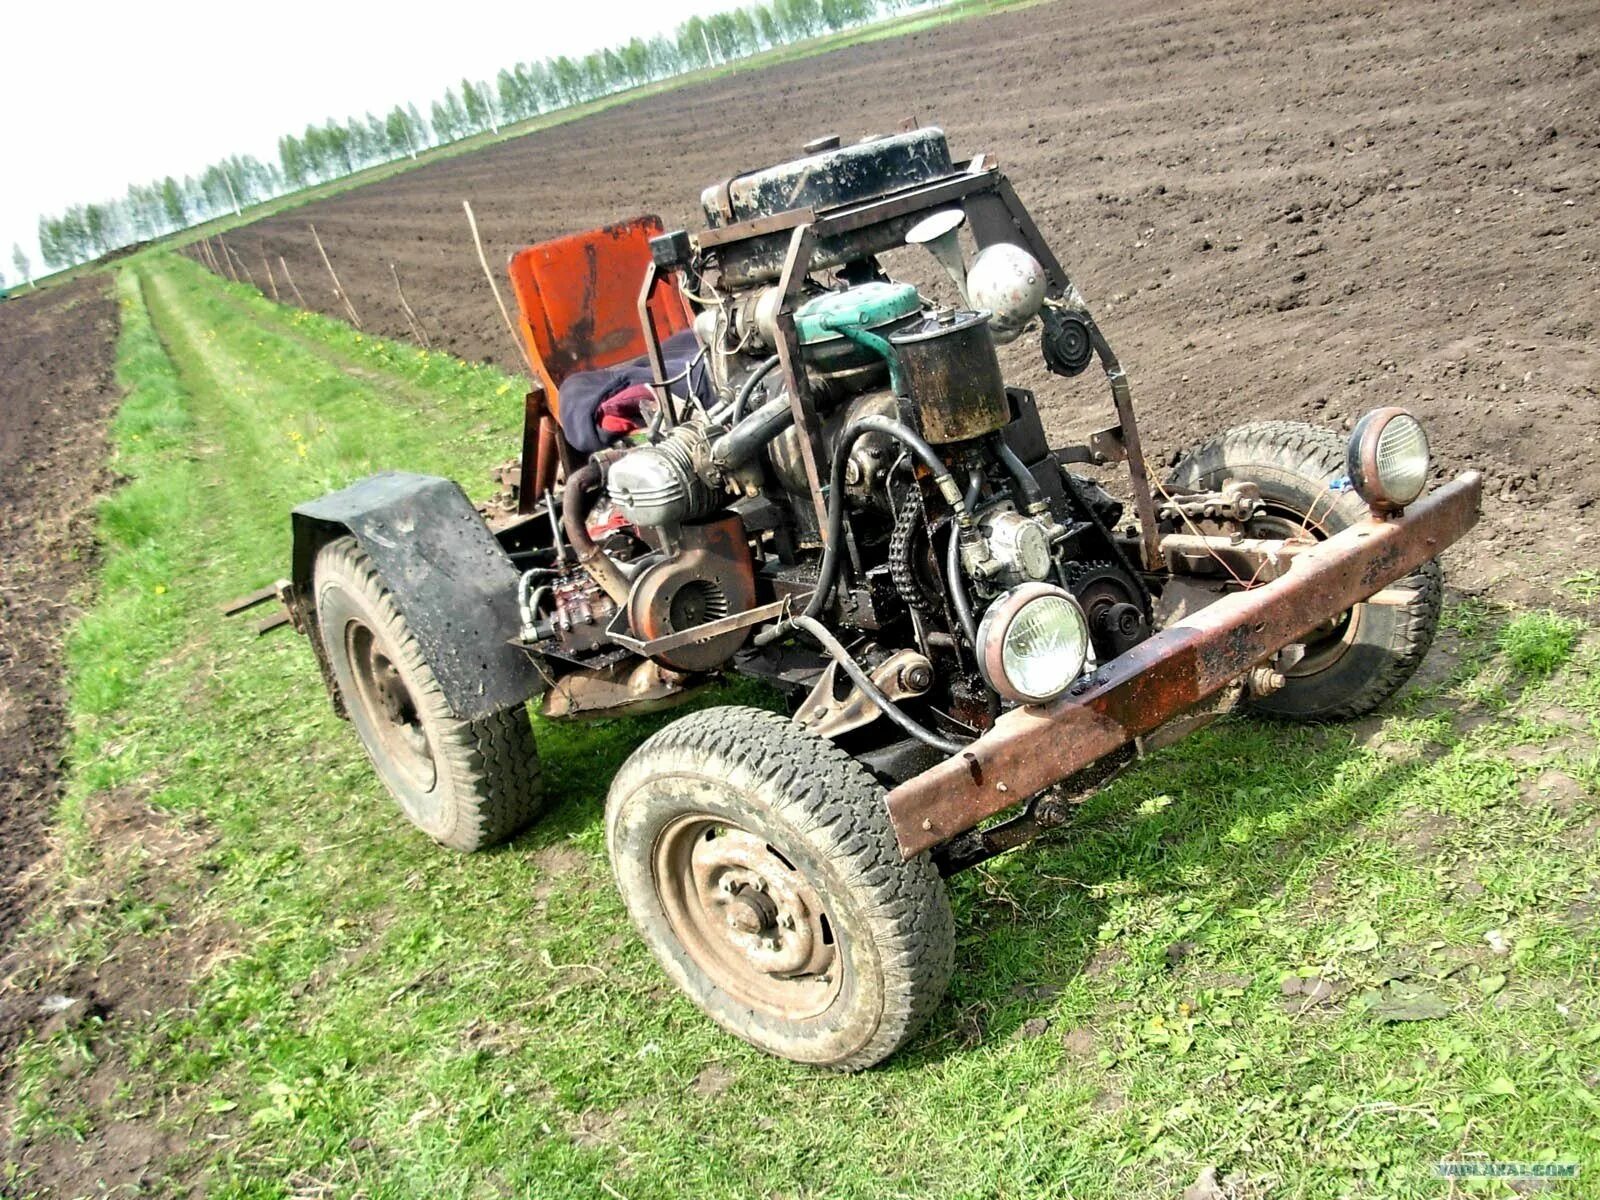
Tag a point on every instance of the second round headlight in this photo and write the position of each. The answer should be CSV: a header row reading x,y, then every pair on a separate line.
x,y
1032,643
1388,458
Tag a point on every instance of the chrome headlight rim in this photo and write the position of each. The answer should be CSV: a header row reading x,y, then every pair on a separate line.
x,y
998,621
1362,459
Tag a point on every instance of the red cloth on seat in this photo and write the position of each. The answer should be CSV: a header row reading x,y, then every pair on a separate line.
x,y
622,414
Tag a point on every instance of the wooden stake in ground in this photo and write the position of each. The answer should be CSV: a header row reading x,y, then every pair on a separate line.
x,y
494,287
289,279
233,254
411,317
271,282
226,261
338,288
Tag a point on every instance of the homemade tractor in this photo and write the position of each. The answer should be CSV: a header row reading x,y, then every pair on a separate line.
x,y
751,449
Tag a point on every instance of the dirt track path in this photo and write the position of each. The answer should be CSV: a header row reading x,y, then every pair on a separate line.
x,y
1279,211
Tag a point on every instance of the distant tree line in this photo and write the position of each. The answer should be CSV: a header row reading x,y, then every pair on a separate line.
x,y
335,149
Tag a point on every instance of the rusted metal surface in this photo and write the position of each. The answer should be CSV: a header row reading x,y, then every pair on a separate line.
x,y
951,375
260,596
1049,810
738,620
541,453
1107,445
652,343
808,427
902,675
631,687
1144,504
1258,559
710,578
709,239
746,915
1030,748
578,300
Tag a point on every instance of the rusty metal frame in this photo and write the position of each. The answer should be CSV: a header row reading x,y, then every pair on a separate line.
x,y
652,345
996,213
617,630
790,357
1030,748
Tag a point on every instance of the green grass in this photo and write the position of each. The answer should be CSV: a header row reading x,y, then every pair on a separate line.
x,y
900,26
373,1017
1538,643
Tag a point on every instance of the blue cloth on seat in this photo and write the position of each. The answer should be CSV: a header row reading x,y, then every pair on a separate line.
x,y
583,392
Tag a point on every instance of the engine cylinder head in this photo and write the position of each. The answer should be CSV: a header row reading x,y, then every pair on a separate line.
x,y
663,484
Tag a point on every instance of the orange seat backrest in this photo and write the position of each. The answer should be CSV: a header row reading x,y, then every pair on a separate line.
x,y
579,300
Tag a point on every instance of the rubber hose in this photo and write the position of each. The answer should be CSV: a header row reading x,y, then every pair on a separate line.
x,y
871,691
748,389
957,581
593,559
828,575
1031,491
746,439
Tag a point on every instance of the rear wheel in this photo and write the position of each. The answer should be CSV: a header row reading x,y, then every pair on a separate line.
x,y
758,863
1359,659
466,784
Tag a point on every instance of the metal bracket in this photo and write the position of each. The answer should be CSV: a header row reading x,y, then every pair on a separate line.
x,y
1108,446
617,630
902,675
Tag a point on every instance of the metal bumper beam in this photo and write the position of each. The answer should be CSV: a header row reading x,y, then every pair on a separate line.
x,y
1030,748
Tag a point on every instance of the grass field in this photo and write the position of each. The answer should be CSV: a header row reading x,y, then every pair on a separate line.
x,y
1319,960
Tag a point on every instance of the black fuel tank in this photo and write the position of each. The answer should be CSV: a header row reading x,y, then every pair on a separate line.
x,y
831,178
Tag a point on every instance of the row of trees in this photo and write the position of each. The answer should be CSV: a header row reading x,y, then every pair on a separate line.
x,y
19,260
87,231
336,149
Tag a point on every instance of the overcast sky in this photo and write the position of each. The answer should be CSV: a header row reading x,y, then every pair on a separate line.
x,y
107,95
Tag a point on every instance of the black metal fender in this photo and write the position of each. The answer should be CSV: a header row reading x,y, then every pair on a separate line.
x,y
455,586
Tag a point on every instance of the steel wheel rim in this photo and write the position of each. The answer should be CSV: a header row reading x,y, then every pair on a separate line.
x,y
393,716
1331,641
747,917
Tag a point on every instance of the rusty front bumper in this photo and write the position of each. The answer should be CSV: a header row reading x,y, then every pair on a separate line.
x,y
1030,748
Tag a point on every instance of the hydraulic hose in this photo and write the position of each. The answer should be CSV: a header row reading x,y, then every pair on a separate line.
x,y
870,690
957,582
594,560
828,575
1032,493
748,389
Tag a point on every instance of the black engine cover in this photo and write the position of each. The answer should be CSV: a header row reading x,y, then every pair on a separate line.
x,y
834,177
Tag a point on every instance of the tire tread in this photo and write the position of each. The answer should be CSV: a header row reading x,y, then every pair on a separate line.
x,y
493,761
832,799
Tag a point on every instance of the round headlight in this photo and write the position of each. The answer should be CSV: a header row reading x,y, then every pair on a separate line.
x,y
1387,458
1032,643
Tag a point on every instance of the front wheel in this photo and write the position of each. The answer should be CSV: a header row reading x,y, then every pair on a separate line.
x,y
1359,659
466,784
758,863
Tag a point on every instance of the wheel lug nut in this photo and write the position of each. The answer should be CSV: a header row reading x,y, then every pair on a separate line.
x,y
786,921
759,884
730,885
